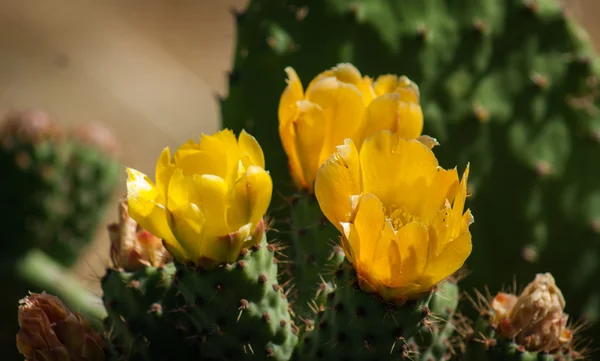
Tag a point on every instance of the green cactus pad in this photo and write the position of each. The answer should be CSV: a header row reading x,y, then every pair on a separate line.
x,y
313,253
355,325
239,310
33,158
55,187
144,322
435,339
510,86
93,174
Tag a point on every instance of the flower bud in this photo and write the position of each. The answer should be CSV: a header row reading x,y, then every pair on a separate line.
x,y
132,247
51,332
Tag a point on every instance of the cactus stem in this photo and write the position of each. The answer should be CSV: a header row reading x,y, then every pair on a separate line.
x,y
42,272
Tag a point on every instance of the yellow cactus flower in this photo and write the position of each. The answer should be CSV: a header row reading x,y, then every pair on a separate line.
x,y
209,198
400,214
313,123
340,103
396,108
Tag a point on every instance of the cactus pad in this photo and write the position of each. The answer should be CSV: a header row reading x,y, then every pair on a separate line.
x,y
239,310
355,325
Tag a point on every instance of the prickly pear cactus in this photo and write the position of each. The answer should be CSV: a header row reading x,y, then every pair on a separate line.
x,y
508,85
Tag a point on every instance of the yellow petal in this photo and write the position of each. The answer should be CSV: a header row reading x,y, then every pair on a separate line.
x,y
251,150
204,162
343,110
369,224
164,170
448,261
350,242
338,180
184,150
188,227
223,147
211,195
381,114
208,192
250,198
147,208
180,190
385,84
223,249
443,188
287,134
413,245
310,136
396,170
408,90
409,120
292,94
459,203
347,73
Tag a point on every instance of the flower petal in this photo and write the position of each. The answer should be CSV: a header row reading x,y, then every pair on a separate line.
x,y
347,73
310,136
164,171
396,170
250,198
413,244
443,188
210,193
223,148
146,207
188,226
287,134
385,84
203,162
253,153
184,150
180,190
450,260
459,203
369,224
338,180
343,110
408,90
409,120
292,94
381,114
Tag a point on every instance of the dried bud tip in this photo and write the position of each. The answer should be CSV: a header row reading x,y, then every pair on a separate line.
x,y
49,331
132,247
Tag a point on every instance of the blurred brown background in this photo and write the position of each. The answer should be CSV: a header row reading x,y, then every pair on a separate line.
x,y
149,69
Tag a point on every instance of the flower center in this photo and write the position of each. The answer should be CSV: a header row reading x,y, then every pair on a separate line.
x,y
398,216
